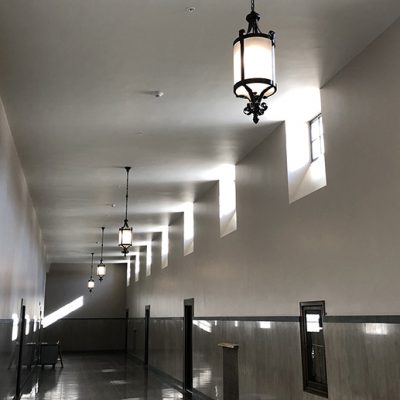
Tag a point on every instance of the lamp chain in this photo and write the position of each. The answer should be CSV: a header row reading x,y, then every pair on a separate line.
x,y
102,243
126,196
91,267
252,5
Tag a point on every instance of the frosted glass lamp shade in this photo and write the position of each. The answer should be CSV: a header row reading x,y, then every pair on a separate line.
x,y
125,237
254,66
91,284
101,271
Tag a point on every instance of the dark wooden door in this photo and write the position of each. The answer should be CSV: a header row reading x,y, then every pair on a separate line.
x,y
188,338
146,334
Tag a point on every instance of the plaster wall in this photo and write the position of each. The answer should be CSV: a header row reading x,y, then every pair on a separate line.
x,y
339,243
68,282
23,260
22,256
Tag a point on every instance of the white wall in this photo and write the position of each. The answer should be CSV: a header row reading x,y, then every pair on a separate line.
x,y
22,256
340,243
68,282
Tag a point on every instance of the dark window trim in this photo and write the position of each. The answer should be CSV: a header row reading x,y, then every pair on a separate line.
x,y
309,386
317,117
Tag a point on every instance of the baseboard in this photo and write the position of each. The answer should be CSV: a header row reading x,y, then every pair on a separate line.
x,y
134,358
201,396
94,351
175,383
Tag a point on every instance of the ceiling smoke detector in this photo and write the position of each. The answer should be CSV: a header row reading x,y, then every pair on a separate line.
x,y
190,10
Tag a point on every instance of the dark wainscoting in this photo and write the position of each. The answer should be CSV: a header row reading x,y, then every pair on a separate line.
x,y
87,334
7,376
269,357
362,355
165,344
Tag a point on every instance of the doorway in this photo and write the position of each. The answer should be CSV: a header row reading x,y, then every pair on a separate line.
x,y
146,334
188,348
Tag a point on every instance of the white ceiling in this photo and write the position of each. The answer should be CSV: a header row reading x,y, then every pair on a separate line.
x,y
76,77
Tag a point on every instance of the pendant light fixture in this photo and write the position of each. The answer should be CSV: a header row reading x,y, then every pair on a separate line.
x,y
91,283
101,268
254,66
125,232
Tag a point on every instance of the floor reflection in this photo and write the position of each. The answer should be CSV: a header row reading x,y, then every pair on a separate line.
x,y
88,376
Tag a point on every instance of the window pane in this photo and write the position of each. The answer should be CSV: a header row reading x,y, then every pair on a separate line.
x,y
313,322
322,138
315,129
316,138
315,349
321,126
316,149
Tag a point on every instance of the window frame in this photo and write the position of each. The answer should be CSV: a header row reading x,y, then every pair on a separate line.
x,y
309,385
320,137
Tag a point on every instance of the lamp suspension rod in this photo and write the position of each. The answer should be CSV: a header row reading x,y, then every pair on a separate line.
x,y
126,196
91,267
102,243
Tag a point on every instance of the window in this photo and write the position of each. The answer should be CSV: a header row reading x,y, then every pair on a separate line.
x,y
316,138
164,246
227,200
137,266
149,258
313,347
188,229
128,272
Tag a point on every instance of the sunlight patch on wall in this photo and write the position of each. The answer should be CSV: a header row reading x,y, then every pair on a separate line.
x,y
62,312
300,104
14,332
164,246
203,325
265,324
137,265
304,175
227,200
35,323
188,229
27,324
149,258
128,272
376,329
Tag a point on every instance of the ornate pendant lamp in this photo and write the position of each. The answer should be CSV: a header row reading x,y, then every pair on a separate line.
x,y
91,283
254,66
125,232
101,268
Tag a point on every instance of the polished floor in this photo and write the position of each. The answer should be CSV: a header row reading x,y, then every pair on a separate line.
x,y
96,376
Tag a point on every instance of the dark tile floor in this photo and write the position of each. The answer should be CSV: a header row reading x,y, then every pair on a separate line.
x,y
97,376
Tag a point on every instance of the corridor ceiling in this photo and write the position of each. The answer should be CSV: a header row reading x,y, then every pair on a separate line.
x,y
77,78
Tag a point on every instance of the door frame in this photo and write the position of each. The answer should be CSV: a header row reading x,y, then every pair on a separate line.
x,y
146,334
188,314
